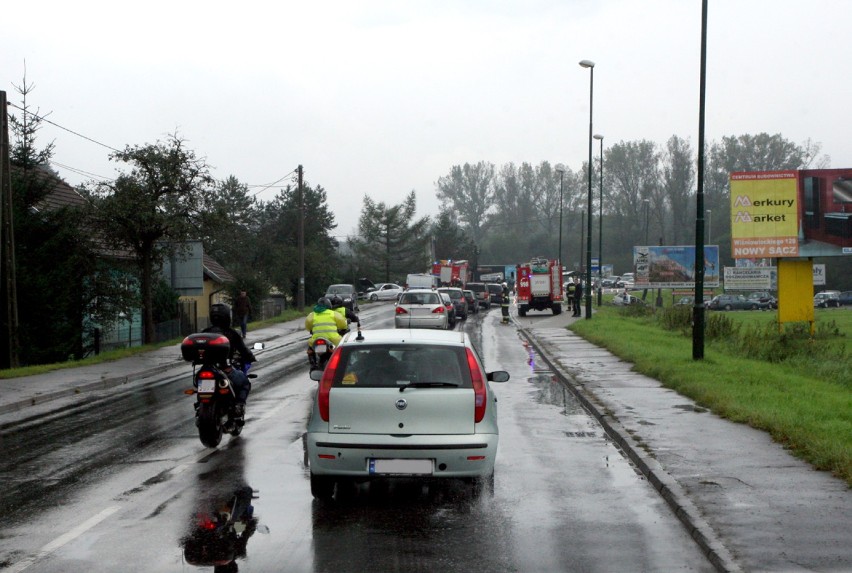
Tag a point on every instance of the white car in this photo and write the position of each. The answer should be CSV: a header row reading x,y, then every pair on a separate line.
x,y
412,404
385,291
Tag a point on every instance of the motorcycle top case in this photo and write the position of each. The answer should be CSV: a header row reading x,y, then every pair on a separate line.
x,y
207,348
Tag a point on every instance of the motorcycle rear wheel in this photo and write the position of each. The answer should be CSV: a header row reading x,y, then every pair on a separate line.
x,y
209,425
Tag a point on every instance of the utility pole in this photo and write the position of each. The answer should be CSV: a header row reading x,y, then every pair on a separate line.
x,y
300,298
8,284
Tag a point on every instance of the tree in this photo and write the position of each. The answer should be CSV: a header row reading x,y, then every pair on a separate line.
x,y
153,209
277,241
468,190
390,241
450,240
66,288
678,183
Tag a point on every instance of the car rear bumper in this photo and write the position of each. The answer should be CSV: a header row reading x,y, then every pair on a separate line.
x,y
452,456
436,321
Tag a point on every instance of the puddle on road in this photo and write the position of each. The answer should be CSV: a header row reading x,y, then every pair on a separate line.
x,y
549,390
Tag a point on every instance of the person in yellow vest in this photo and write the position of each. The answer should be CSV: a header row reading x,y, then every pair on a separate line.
x,y
323,322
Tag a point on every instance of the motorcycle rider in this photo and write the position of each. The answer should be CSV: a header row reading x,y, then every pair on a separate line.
x,y
338,306
323,322
220,323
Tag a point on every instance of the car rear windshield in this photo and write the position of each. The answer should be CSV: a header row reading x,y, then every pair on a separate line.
x,y
476,287
389,366
495,288
455,294
425,297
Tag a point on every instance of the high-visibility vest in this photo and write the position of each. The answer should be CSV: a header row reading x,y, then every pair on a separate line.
x,y
325,326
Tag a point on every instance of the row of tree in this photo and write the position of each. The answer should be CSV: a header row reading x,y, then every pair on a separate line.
x,y
91,264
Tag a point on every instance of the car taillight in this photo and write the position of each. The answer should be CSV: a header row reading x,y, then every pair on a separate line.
x,y
479,392
324,395
439,310
400,310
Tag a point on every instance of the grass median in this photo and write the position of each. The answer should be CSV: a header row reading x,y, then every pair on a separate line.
x,y
796,387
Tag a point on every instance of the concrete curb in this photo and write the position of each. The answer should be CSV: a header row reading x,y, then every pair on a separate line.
x,y
667,486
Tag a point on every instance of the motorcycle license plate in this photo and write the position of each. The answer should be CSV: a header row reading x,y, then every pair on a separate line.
x,y
206,386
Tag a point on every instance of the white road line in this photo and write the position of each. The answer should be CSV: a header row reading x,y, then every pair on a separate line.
x,y
64,539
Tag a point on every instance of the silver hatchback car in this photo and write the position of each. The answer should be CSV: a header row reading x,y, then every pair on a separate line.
x,y
414,404
421,308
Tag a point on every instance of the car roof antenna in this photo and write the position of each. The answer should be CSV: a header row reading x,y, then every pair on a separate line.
x,y
360,336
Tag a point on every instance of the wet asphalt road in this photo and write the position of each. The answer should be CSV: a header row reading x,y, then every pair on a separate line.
x,y
122,483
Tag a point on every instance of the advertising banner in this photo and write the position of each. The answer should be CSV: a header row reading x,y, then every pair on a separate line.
x,y
791,214
764,214
750,278
673,267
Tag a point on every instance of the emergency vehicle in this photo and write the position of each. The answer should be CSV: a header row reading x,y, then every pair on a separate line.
x,y
539,286
452,273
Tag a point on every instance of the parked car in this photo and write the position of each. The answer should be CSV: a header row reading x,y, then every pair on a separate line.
x,y
459,302
731,302
451,309
403,405
609,282
827,299
845,298
385,291
472,304
483,295
495,293
765,300
421,308
347,292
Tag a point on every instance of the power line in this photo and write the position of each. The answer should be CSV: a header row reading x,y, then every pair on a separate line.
x,y
41,118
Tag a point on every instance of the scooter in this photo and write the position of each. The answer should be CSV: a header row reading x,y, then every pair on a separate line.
x,y
319,352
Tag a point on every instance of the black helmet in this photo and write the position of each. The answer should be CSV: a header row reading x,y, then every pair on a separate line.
x,y
220,315
336,301
324,301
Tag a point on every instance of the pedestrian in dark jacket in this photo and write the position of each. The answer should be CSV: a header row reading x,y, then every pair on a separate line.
x,y
242,310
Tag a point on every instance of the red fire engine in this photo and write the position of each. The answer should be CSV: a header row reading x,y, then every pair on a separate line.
x,y
539,286
451,273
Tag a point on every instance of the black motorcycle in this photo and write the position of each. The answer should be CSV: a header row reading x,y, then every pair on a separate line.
x,y
215,396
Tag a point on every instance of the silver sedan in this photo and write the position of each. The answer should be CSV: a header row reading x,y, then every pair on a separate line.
x,y
421,308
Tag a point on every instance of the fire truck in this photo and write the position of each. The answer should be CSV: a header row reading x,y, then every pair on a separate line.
x,y
451,273
539,286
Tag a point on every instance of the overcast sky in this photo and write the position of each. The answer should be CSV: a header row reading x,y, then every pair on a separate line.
x,y
382,97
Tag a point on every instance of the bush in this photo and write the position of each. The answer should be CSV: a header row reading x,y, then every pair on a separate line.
x,y
719,327
676,318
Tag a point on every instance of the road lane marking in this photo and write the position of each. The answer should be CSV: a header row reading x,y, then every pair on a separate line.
x,y
63,539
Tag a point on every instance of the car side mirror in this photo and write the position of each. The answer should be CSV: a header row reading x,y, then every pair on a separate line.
x,y
257,346
498,376
316,375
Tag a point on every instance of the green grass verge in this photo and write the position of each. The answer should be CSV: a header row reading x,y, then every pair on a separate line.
x,y
803,404
120,353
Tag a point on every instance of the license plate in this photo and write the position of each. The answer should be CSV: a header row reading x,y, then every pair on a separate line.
x,y
206,386
401,467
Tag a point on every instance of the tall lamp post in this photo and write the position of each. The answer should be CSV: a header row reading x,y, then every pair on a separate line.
x,y
561,170
709,223
600,138
591,66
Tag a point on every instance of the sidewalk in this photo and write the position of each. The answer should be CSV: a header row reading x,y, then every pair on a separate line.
x,y
36,391
747,501
749,504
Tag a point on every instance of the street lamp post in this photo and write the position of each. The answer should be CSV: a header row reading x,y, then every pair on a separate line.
x,y
591,66
561,170
600,138
709,222
647,210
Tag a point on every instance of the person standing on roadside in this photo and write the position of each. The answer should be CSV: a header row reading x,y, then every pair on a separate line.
x,y
578,296
242,310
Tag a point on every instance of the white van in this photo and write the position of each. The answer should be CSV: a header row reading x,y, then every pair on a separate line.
x,y
421,280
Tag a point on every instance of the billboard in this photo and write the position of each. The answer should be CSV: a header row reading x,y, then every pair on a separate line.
x,y
789,214
673,266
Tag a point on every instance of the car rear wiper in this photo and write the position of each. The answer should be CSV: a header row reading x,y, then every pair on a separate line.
x,y
429,385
